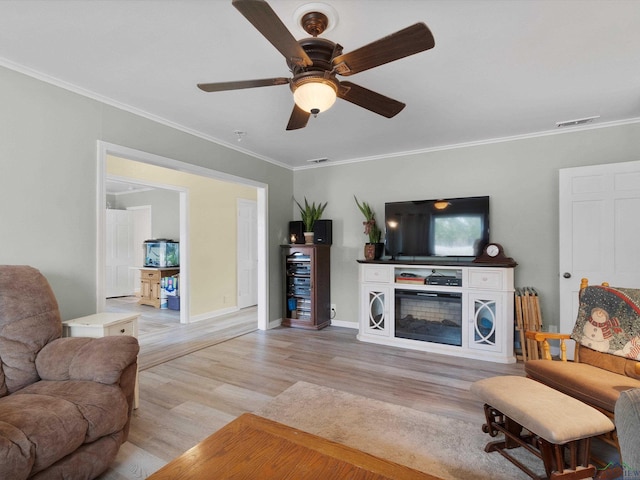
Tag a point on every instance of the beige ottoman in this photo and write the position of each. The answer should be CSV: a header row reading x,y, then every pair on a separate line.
x,y
551,425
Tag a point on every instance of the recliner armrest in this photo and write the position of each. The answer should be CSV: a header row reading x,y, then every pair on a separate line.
x,y
92,359
544,337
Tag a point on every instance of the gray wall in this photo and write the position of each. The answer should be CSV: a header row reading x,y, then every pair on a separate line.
x,y
48,172
521,177
165,210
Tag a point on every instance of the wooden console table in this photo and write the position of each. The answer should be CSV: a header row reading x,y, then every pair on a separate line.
x,y
150,278
256,447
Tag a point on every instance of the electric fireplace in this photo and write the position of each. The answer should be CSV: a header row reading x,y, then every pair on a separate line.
x,y
429,316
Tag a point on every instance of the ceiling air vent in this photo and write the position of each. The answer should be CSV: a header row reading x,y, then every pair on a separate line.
x,y
318,160
575,123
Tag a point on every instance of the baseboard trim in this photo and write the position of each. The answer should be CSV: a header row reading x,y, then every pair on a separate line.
x,y
342,323
335,323
213,314
275,323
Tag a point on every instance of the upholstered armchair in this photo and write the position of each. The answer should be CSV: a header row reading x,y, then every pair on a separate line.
x,y
607,353
65,403
628,426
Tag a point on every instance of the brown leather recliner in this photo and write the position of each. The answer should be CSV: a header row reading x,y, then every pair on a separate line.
x,y
65,403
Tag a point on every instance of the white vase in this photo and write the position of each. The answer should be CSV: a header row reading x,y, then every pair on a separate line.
x,y
308,238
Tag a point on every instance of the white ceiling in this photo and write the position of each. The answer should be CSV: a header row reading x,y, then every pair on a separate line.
x,y
500,69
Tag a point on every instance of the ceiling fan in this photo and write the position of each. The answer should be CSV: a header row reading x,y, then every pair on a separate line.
x,y
315,63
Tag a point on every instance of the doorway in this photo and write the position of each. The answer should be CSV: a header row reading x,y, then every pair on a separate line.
x,y
106,149
151,210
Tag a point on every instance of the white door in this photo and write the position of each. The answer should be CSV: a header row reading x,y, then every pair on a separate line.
x,y
247,253
599,231
141,221
119,250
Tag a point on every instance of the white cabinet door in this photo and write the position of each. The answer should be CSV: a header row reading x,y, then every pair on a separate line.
x,y
375,310
486,321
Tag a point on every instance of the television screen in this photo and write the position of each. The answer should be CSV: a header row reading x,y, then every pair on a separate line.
x,y
456,227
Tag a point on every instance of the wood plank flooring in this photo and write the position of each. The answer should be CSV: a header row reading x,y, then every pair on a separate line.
x,y
184,400
162,337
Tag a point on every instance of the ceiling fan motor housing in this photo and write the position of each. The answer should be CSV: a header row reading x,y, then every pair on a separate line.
x,y
321,52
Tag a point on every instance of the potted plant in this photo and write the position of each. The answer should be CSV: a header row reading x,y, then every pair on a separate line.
x,y
374,248
310,213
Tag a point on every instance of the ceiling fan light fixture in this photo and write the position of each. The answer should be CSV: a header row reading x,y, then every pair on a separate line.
x,y
316,94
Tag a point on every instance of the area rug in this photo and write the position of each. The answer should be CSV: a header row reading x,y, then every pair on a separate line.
x,y
448,448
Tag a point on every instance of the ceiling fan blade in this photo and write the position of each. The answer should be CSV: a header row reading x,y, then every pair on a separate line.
x,y
265,20
298,119
222,86
372,101
414,39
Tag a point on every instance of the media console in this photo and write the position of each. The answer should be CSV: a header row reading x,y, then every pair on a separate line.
x,y
454,308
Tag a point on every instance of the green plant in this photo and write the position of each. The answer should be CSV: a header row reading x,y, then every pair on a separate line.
x,y
370,225
310,213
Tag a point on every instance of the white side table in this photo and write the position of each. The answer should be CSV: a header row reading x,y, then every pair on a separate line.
x,y
105,324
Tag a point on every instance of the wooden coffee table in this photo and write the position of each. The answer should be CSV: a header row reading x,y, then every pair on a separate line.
x,y
255,447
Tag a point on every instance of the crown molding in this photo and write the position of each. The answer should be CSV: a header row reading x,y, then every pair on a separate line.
x,y
545,133
128,108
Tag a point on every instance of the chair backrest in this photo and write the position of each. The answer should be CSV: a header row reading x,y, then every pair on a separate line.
x,y
607,329
29,319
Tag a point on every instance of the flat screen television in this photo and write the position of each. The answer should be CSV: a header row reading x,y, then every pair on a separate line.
x,y
454,227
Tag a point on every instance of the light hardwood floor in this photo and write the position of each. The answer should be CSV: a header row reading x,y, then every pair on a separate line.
x,y
184,400
162,337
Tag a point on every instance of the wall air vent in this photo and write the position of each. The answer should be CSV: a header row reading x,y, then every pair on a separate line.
x,y
575,123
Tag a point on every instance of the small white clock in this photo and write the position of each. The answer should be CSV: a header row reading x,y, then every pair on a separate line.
x,y
492,250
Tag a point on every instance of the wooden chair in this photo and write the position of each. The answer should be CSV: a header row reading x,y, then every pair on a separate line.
x,y
528,319
607,353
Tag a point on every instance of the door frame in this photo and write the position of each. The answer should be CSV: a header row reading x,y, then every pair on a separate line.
x,y
104,149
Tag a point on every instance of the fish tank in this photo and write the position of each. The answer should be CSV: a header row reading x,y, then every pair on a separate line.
x,y
161,253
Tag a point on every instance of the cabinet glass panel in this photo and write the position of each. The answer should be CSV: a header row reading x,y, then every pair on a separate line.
x,y
299,286
377,318
484,325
